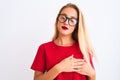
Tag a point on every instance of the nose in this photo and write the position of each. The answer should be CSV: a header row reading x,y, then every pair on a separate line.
x,y
66,22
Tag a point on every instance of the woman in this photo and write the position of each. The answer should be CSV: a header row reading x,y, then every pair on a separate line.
x,y
69,55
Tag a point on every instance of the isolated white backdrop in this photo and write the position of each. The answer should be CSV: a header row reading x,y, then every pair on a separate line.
x,y
25,24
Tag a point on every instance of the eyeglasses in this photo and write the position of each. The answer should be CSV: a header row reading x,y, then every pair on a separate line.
x,y
71,21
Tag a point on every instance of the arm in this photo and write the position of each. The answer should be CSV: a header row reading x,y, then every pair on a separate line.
x,y
66,65
50,75
92,75
85,68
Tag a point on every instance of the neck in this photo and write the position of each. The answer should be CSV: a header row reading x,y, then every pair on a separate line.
x,y
64,40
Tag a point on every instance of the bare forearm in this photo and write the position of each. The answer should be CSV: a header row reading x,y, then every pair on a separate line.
x,y
50,75
92,76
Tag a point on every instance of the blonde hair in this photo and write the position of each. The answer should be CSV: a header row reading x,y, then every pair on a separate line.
x,y
80,33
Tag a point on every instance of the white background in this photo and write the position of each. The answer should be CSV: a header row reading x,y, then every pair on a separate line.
x,y
25,24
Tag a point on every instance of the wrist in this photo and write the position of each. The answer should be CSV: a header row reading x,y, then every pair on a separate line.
x,y
58,68
92,75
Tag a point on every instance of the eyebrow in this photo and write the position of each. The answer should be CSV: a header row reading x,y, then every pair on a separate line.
x,y
67,16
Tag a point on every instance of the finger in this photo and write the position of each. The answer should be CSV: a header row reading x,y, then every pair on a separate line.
x,y
80,72
78,67
78,63
70,57
77,70
78,60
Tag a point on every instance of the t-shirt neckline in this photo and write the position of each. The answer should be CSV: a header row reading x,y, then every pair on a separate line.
x,y
64,46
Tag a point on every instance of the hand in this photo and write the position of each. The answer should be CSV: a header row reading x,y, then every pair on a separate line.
x,y
66,65
84,68
80,66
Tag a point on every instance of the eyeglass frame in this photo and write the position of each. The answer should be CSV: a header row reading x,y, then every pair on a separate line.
x,y
67,18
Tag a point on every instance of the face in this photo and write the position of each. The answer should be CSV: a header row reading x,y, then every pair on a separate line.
x,y
67,21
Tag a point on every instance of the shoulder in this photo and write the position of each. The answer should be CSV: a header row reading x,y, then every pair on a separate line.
x,y
42,47
45,44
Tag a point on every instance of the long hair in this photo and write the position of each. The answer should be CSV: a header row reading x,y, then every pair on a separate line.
x,y
79,34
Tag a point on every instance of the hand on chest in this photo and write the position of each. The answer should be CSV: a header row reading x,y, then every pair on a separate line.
x,y
56,54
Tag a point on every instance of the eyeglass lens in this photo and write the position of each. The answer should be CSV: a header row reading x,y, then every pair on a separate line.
x,y
71,21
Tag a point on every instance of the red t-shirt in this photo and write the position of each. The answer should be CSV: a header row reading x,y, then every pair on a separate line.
x,y
49,54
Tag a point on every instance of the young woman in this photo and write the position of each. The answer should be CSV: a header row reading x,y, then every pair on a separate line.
x,y
69,55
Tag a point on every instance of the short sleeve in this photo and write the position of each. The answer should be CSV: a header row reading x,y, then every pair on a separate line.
x,y
39,60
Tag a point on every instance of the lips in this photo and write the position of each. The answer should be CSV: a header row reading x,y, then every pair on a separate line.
x,y
64,27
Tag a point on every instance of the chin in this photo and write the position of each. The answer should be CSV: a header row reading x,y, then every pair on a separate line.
x,y
65,34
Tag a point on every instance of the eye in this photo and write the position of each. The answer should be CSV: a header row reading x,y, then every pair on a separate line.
x,y
63,17
73,21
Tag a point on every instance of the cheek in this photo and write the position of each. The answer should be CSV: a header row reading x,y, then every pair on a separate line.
x,y
72,29
59,25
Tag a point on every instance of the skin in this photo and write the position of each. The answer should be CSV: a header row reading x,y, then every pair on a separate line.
x,y
69,64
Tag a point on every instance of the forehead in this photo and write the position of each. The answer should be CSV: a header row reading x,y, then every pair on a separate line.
x,y
70,12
